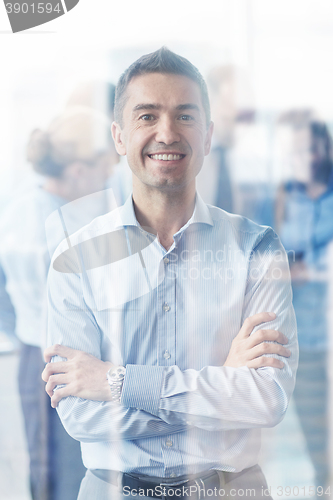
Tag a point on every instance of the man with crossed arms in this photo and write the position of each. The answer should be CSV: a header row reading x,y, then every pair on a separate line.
x,y
174,353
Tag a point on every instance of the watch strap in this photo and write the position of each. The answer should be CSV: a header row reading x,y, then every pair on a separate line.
x,y
115,377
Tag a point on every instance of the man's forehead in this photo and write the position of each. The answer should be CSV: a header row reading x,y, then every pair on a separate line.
x,y
158,87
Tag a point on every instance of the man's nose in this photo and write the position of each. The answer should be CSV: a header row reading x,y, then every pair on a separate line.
x,y
167,131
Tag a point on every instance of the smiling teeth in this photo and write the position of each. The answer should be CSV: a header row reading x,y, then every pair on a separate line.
x,y
166,157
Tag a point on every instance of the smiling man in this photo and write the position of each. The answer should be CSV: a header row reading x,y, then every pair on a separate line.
x,y
173,316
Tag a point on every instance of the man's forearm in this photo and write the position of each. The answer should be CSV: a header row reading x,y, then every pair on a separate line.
x,y
78,387
225,397
214,398
90,421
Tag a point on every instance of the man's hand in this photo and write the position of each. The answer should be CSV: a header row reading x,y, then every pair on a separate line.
x,y
247,350
84,375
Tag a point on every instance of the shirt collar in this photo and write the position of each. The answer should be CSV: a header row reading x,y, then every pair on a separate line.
x,y
201,214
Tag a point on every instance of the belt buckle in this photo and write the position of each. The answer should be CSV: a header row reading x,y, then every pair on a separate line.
x,y
178,484
173,487
194,481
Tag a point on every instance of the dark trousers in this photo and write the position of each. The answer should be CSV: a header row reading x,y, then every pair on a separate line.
x,y
56,468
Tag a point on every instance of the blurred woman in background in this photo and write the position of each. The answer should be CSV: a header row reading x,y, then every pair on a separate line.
x,y
75,157
305,225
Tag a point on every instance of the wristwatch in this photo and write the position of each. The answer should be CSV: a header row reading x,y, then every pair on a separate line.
x,y
115,378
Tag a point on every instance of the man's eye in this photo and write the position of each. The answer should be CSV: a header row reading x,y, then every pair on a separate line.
x,y
146,117
186,118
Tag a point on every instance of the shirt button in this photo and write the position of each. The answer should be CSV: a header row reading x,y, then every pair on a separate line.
x,y
168,443
166,307
167,355
172,474
166,260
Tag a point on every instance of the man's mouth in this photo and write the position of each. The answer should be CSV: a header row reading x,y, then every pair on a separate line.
x,y
167,157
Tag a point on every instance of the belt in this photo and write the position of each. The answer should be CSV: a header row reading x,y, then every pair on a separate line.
x,y
183,487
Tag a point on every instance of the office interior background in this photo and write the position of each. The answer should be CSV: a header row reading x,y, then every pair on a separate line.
x,y
281,52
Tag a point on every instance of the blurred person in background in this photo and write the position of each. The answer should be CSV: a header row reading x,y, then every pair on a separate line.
x,y
304,220
75,157
99,95
231,103
96,94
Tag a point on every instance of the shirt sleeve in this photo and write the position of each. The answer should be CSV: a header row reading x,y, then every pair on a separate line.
x,y
222,398
72,323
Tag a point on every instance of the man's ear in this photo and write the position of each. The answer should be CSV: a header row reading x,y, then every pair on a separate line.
x,y
117,135
208,139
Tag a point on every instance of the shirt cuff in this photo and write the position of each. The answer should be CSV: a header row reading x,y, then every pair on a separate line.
x,y
142,387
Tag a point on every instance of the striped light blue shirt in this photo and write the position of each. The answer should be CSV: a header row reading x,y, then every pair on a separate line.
x,y
170,318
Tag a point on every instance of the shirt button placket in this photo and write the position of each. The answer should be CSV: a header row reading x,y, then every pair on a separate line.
x,y
171,455
167,329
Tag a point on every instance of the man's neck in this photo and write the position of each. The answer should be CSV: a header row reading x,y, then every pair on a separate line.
x,y
163,213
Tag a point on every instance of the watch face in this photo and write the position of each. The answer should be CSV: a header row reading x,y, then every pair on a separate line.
x,y
117,374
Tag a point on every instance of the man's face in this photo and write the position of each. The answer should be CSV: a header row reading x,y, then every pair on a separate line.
x,y
164,132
